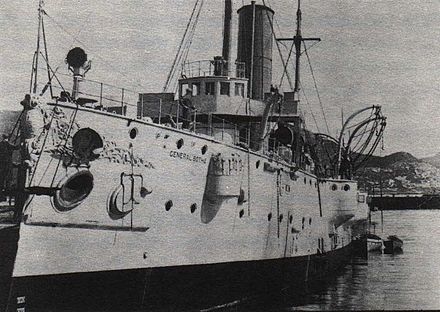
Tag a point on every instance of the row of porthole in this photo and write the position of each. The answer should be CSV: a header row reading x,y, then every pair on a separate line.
x,y
310,182
269,217
169,204
334,187
179,144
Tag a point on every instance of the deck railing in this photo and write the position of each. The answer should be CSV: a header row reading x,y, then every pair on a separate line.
x,y
213,68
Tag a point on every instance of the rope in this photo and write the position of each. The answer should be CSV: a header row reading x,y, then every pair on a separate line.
x,y
75,38
316,88
71,122
279,50
184,56
179,50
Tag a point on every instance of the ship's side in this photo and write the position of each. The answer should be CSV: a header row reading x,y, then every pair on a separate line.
x,y
185,200
189,224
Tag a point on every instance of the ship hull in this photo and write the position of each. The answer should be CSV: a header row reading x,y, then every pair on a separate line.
x,y
173,288
8,249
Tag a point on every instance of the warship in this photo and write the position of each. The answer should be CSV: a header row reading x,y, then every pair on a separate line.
x,y
178,200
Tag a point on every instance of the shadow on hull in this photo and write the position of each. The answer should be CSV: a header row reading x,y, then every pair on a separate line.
x,y
182,288
8,251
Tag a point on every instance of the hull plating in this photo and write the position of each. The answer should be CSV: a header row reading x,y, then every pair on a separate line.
x,y
172,288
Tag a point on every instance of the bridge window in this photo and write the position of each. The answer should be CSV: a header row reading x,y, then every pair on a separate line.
x,y
239,89
195,88
224,88
210,88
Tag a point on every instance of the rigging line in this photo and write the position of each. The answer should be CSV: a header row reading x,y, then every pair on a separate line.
x,y
310,108
71,122
185,50
316,88
42,146
193,29
279,50
96,54
287,63
179,48
184,55
53,73
47,56
275,19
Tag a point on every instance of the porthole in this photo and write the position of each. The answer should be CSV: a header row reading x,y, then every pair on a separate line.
x,y
168,205
281,218
269,216
334,187
241,213
257,164
179,143
133,133
346,187
193,208
291,219
73,190
166,136
204,149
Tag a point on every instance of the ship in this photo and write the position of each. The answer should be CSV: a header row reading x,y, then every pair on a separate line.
x,y
178,201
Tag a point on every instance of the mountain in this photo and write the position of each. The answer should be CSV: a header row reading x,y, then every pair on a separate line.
x,y
401,172
433,160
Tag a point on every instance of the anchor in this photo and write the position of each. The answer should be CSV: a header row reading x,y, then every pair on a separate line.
x,y
115,212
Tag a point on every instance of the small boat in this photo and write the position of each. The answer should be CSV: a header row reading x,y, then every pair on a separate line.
x,y
392,244
373,242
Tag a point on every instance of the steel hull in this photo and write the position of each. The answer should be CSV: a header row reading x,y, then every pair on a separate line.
x,y
172,288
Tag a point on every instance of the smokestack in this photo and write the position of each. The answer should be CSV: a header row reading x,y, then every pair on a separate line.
x,y
227,35
254,47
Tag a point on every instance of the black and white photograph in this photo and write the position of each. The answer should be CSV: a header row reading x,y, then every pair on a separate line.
x,y
219,156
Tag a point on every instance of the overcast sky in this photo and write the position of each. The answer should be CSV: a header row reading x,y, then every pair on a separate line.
x,y
373,52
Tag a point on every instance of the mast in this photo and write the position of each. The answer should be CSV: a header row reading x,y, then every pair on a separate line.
x,y
34,76
297,40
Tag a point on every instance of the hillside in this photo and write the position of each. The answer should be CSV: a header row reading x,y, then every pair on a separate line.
x,y
401,172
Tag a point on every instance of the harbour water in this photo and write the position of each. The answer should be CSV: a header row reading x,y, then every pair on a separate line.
x,y
408,280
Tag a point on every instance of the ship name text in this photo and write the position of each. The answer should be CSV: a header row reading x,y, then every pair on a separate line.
x,y
181,155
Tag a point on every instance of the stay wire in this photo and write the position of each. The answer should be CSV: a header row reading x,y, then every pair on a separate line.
x,y
179,49
97,55
316,88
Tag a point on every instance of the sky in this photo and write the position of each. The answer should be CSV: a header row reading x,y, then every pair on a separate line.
x,y
373,52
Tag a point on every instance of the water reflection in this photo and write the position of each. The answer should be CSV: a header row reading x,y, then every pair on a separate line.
x,y
407,280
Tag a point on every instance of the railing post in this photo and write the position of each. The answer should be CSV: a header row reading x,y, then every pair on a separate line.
x,y
177,114
122,103
100,96
235,133
210,123
142,107
223,129
160,111
195,120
